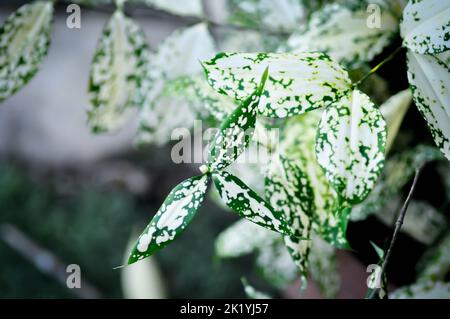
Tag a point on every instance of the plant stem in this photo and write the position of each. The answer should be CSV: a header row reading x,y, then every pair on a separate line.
x,y
398,226
378,66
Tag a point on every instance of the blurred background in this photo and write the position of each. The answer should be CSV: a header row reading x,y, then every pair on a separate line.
x,y
68,196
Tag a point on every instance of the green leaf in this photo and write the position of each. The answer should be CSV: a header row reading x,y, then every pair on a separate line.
x,y
429,79
423,290
298,141
350,146
343,32
247,204
297,83
393,111
236,131
24,42
280,15
117,73
251,292
398,170
172,218
243,237
425,26
289,191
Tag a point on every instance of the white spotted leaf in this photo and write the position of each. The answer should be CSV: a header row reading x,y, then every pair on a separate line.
x,y
350,146
425,27
297,83
172,218
236,131
345,32
24,42
429,80
117,73
248,204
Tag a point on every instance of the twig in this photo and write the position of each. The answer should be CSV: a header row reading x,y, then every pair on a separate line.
x,y
398,226
378,66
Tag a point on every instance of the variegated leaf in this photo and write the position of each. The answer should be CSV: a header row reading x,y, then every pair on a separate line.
x,y
297,83
423,290
350,146
280,15
117,73
236,131
393,111
177,57
436,261
243,237
298,142
288,190
276,266
398,170
323,266
346,33
429,79
425,27
24,42
251,292
246,203
172,218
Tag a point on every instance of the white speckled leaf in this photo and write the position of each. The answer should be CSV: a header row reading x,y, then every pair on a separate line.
x,y
236,131
117,73
343,32
323,266
247,204
350,146
280,15
243,237
429,79
423,290
297,82
298,141
288,190
425,27
172,218
178,56
397,171
393,111
24,42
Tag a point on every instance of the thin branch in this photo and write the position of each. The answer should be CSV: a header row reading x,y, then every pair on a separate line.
x,y
378,66
398,226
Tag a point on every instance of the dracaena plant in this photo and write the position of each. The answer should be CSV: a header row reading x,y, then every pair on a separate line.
x,y
333,162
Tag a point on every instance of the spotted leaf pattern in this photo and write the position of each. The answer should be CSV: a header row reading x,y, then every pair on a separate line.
x,y
350,146
24,42
425,27
172,217
236,131
346,33
288,191
247,204
297,83
117,73
429,80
